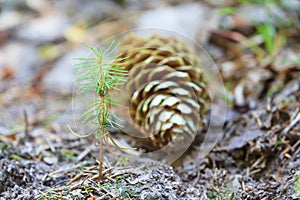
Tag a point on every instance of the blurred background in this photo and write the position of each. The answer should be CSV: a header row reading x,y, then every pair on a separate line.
x,y
42,36
251,41
39,38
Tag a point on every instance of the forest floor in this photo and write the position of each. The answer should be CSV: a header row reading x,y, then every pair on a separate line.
x,y
257,155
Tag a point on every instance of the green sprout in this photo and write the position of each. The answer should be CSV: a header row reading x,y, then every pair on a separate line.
x,y
297,187
259,2
268,32
100,75
227,11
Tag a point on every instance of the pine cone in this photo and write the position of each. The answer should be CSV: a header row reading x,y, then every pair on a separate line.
x,y
167,95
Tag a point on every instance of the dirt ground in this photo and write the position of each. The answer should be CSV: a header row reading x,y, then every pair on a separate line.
x,y
255,46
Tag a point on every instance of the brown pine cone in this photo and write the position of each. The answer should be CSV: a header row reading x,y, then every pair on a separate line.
x,y
167,95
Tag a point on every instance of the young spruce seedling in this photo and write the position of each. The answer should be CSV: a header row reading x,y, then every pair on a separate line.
x,y
100,74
